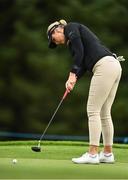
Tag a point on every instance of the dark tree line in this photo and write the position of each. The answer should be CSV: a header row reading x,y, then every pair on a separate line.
x,y
32,77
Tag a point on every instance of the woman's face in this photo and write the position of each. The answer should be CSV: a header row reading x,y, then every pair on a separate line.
x,y
58,36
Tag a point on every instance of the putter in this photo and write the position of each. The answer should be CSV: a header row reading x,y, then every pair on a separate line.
x,y
38,147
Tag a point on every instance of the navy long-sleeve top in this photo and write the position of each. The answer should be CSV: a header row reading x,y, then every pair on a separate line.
x,y
85,48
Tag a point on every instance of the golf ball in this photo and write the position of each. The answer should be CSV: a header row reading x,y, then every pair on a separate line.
x,y
14,161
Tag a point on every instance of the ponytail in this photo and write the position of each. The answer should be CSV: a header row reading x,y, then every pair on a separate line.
x,y
63,22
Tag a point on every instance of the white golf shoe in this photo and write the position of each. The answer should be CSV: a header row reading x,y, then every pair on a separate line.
x,y
106,157
87,159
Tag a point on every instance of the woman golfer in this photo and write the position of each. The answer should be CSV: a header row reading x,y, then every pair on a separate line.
x,y
89,54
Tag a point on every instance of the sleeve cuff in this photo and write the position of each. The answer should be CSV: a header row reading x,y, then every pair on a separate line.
x,y
75,69
78,71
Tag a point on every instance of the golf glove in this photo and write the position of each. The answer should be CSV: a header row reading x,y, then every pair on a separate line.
x,y
119,58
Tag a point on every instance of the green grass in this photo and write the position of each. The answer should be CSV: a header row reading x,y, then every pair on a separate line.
x,y
54,162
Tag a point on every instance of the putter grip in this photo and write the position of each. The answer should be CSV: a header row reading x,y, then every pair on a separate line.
x,y
65,94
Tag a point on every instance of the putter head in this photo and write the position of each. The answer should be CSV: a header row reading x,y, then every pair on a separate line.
x,y
36,149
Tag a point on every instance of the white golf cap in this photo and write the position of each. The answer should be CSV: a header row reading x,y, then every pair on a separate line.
x,y
51,28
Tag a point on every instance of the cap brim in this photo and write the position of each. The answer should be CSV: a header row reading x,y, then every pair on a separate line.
x,y
51,44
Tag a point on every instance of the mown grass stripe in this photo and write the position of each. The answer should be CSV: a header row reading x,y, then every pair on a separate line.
x,y
69,143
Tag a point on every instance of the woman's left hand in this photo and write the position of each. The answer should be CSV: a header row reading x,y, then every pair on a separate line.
x,y
71,81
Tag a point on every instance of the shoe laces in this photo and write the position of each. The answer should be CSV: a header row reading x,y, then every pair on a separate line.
x,y
84,155
90,155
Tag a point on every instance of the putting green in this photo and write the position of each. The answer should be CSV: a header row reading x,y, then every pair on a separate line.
x,y
54,162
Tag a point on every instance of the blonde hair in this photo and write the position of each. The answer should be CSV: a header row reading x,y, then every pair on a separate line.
x,y
63,22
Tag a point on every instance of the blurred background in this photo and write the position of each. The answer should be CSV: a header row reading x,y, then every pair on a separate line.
x,y
32,77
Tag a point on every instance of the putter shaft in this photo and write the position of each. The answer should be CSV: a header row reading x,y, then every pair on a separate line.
x,y
64,96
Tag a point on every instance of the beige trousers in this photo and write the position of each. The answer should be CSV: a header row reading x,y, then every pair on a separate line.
x,y
103,88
